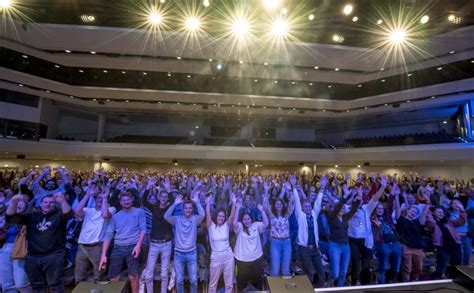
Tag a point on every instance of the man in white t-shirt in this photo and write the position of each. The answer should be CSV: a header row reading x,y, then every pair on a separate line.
x,y
93,229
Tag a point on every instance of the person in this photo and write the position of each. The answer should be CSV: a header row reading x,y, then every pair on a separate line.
x,y
308,235
222,257
92,233
46,238
410,228
248,248
160,238
361,240
12,271
185,238
127,228
445,238
387,241
338,221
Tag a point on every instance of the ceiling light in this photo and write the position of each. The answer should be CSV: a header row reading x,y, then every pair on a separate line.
x,y
382,69
81,71
71,97
329,86
439,68
336,69
347,9
338,38
379,22
385,105
20,85
455,19
241,62
293,82
178,57
358,166
108,100
67,51
280,28
451,17
255,80
383,80
452,52
336,166
347,110
123,72
57,66
424,19
127,101
397,36
24,56
266,64
94,99
205,3
271,4
169,74
445,122
87,18
154,18
189,76
311,17
316,67
144,73
240,27
192,23
275,81
105,71
366,107
359,85
48,91
408,101
432,97
284,11
409,74
197,126
310,83
93,52
355,19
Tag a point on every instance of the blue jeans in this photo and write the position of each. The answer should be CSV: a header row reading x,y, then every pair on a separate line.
x,y
466,250
444,257
12,271
280,252
388,254
339,257
182,260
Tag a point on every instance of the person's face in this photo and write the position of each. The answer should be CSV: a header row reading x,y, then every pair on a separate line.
x,y
246,220
248,201
312,196
274,192
98,201
77,190
152,199
307,208
47,205
439,214
220,218
21,207
188,209
411,199
222,195
126,202
8,193
163,198
49,185
379,210
278,206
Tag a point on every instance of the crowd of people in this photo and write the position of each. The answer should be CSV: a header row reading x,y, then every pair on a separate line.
x,y
121,224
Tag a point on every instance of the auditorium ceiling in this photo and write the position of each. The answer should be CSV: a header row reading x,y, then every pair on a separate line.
x,y
239,56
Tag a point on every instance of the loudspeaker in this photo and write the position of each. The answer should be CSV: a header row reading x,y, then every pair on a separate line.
x,y
299,284
465,277
90,287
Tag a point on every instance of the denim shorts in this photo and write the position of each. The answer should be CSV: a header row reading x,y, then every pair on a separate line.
x,y
121,254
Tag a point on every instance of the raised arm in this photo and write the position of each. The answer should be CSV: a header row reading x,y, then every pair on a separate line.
x,y
80,206
297,203
11,209
201,214
236,207
104,197
208,212
264,216
232,213
319,198
169,213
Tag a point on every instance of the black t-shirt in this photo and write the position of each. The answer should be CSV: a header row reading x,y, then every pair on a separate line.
x,y
160,228
410,232
45,233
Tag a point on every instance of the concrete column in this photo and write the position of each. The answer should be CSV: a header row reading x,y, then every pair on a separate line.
x,y
101,127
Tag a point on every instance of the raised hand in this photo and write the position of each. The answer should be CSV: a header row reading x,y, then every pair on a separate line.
x,y
59,197
293,180
324,182
178,199
346,190
260,207
383,181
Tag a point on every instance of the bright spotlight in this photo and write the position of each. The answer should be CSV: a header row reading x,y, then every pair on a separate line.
x,y
271,4
451,17
280,27
205,3
397,36
455,19
424,19
347,9
192,23
5,4
338,38
355,19
379,22
240,27
154,18
311,17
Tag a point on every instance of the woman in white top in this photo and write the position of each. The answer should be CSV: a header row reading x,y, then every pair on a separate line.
x,y
248,248
222,258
